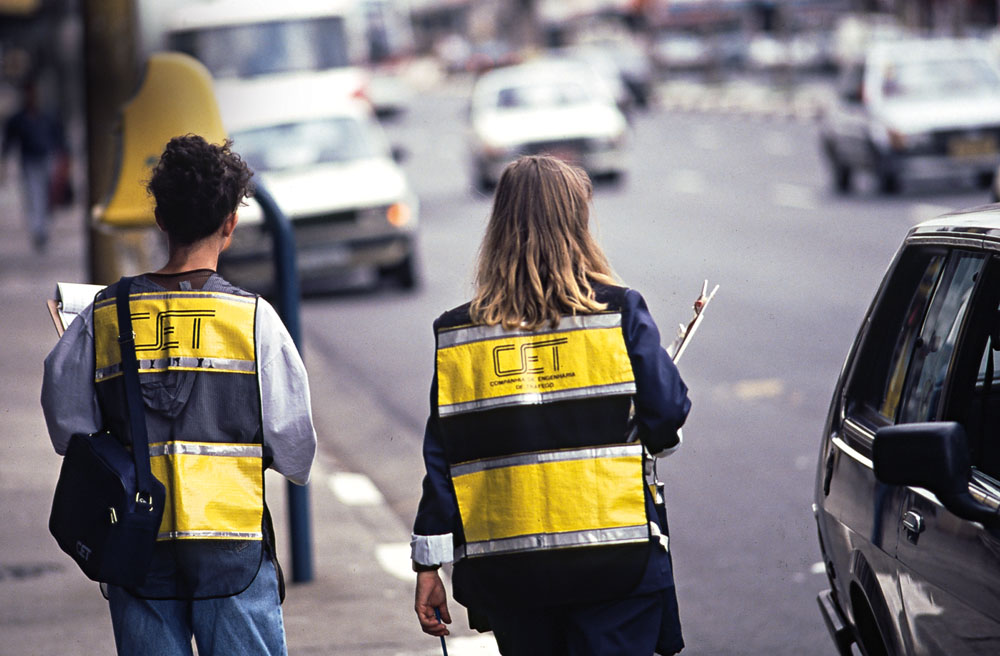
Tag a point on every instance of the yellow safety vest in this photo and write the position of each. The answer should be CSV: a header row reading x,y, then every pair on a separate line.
x,y
197,366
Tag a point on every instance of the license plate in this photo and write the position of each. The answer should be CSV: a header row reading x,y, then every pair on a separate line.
x,y
327,256
568,155
961,147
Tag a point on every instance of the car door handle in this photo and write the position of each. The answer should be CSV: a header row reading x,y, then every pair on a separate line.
x,y
913,523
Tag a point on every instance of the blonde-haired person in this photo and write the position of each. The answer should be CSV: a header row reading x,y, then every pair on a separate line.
x,y
535,485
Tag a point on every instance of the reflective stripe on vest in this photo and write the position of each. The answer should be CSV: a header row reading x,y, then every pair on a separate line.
x,y
215,490
483,367
540,501
197,331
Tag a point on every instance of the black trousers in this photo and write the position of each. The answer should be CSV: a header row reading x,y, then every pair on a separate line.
x,y
625,627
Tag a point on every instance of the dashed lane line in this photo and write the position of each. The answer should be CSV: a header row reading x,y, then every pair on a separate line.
x,y
797,197
355,489
757,389
688,181
394,557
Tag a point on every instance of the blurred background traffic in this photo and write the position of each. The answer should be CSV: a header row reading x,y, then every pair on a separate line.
x,y
778,148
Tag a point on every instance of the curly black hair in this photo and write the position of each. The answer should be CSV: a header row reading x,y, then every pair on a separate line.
x,y
196,185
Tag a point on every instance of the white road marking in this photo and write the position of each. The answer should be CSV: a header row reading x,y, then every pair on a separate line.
x,y
354,489
778,144
707,138
394,557
794,196
687,181
923,211
484,645
802,463
756,389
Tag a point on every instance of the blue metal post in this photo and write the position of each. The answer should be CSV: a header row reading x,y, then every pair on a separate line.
x,y
287,284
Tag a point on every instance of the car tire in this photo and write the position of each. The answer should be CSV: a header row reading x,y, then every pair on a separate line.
x,y
985,180
403,275
841,173
611,178
482,180
869,637
888,182
842,177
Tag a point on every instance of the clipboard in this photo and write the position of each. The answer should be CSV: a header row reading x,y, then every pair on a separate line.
x,y
71,298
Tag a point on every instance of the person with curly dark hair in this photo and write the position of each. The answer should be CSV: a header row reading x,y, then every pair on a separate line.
x,y
226,397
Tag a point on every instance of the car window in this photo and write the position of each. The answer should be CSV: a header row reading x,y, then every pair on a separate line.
x,y
975,394
542,95
907,338
935,345
296,145
929,78
851,83
263,48
876,386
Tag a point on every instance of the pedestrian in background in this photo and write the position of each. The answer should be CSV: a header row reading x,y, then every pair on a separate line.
x,y
226,397
548,386
42,144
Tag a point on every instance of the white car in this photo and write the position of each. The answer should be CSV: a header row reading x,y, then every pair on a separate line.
x,y
916,109
329,167
560,108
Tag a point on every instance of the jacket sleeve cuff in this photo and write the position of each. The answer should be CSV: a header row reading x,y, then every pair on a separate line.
x,y
663,453
431,550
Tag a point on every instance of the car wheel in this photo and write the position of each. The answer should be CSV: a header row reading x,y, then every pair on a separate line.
x,y
611,178
869,638
888,183
403,275
841,177
482,180
841,172
985,180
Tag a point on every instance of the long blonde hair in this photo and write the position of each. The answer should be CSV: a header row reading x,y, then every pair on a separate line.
x,y
538,258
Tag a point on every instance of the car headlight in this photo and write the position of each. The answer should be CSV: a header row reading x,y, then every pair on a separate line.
x,y
398,215
899,140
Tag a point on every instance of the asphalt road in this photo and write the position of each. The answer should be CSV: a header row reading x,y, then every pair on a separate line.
x,y
742,202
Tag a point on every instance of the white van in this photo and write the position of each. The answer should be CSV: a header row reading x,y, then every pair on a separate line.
x,y
254,43
293,96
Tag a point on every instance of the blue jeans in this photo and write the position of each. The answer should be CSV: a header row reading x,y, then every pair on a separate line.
x,y
247,623
35,176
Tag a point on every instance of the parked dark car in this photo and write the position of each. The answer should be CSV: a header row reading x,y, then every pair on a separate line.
x,y
908,482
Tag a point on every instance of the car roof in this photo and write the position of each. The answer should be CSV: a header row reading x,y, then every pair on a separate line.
x,y
980,223
936,48
240,12
540,71
240,113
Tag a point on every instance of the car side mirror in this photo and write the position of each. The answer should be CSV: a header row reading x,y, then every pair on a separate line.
x,y
934,456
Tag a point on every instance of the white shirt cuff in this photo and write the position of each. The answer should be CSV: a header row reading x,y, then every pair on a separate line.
x,y
432,549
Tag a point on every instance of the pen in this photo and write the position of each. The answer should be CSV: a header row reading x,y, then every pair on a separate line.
x,y
444,647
